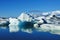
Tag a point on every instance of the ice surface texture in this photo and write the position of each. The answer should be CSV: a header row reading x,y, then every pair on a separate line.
x,y
47,22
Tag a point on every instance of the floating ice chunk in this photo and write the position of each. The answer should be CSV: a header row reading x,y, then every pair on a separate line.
x,y
57,13
25,17
53,18
47,23
39,20
13,21
52,28
4,22
45,27
13,26
36,26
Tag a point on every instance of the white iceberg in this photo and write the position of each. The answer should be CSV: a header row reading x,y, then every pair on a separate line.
x,y
4,22
20,23
25,17
13,26
14,21
52,28
36,26
25,22
39,19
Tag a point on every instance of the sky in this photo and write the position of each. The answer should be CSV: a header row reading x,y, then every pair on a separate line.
x,y
13,8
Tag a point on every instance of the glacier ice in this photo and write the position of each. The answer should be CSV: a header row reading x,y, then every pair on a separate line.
x,y
48,22
23,24
13,26
4,22
36,25
25,17
14,21
52,28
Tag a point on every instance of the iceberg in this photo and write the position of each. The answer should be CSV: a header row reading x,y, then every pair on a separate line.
x,y
49,22
25,17
13,26
24,21
4,22
52,28
53,17
13,21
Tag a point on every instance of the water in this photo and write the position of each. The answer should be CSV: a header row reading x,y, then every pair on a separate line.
x,y
6,35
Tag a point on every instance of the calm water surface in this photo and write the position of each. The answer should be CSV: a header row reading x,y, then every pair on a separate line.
x,y
6,35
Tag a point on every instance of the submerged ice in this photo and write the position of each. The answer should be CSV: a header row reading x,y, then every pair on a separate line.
x,y
49,22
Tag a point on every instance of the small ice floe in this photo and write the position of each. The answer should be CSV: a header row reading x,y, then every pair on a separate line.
x,y
4,22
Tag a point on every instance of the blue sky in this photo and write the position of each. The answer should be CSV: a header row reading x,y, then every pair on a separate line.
x,y
13,8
